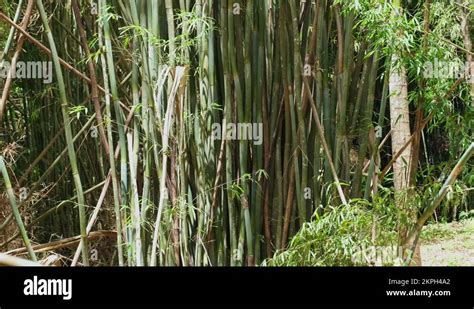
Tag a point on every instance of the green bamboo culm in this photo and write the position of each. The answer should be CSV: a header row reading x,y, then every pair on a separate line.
x,y
228,125
68,132
16,212
11,34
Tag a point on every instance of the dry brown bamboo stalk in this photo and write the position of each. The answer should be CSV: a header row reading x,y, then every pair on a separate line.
x,y
63,243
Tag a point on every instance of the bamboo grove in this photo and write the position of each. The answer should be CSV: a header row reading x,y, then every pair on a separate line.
x,y
208,132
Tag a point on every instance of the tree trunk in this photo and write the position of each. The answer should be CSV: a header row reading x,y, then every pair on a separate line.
x,y
400,125
401,133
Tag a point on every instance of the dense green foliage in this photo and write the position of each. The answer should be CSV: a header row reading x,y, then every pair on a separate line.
x,y
123,142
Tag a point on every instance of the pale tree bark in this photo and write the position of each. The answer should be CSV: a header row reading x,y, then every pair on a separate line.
x,y
401,133
400,125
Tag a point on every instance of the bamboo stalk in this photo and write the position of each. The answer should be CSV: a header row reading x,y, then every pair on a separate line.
x,y
7,260
68,131
12,31
92,73
19,49
414,234
16,212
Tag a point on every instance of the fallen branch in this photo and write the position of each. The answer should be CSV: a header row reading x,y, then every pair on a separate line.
x,y
63,243
7,260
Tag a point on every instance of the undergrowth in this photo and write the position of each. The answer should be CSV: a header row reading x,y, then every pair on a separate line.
x,y
337,237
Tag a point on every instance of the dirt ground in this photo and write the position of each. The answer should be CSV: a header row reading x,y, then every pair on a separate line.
x,y
448,244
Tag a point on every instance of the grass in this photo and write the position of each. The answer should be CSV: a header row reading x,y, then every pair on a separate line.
x,y
445,231
448,244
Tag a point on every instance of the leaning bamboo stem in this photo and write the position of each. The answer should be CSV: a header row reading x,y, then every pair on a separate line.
x,y
325,146
93,77
12,31
68,131
16,212
16,56
414,234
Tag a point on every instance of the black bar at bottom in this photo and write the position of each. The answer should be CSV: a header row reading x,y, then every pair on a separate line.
x,y
429,286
